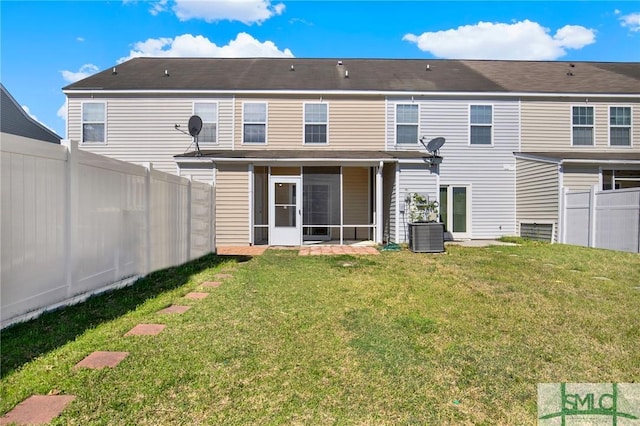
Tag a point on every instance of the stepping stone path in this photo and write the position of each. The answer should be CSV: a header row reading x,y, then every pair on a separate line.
x,y
102,359
37,410
196,295
175,309
42,409
146,330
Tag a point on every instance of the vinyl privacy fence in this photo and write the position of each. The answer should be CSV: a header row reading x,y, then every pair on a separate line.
x,y
75,223
603,219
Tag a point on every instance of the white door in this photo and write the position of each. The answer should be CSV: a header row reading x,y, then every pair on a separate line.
x,y
285,216
455,210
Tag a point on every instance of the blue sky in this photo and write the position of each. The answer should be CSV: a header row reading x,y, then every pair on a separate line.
x,y
46,45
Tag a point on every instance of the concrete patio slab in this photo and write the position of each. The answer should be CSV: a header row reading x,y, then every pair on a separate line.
x,y
211,284
37,410
241,251
175,309
196,295
102,359
146,330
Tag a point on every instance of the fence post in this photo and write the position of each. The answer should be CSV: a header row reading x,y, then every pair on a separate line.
x,y
71,217
592,215
147,217
189,213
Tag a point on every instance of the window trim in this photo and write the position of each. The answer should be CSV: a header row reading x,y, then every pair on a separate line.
x,y
397,123
630,126
82,123
266,122
592,126
490,126
304,123
217,122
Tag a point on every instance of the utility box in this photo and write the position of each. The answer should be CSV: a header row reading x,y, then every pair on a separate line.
x,y
426,237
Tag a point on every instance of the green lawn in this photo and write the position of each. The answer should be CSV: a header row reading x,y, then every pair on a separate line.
x,y
401,338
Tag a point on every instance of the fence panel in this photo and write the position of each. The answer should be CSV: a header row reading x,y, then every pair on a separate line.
x,y
618,220
75,223
577,217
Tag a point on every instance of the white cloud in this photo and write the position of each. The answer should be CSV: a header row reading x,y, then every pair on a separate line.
x,y
187,45
80,39
632,21
85,71
62,111
487,40
245,11
158,7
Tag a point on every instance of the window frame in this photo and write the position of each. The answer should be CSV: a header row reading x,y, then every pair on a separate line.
x,y
629,126
590,126
265,123
398,124
484,125
204,122
304,124
83,122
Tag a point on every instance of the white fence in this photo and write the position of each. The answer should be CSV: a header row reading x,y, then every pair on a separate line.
x,y
603,219
76,223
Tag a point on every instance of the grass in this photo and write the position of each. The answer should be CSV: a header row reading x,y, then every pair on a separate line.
x,y
401,338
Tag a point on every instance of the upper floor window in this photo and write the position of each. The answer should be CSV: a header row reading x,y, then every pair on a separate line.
x,y
254,122
620,126
94,122
208,112
582,121
480,124
407,124
315,123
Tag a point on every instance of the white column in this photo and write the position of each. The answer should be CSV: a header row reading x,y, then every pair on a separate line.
x,y
379,206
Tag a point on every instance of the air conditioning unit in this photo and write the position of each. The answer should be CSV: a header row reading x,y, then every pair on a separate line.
x,y
426,237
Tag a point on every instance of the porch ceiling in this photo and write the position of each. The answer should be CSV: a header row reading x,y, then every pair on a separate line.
x,y
305,155
624,157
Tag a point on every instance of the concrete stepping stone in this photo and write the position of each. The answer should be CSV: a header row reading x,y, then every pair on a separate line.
x,y
102,359
37,410
146,330
175,309
211,284
196,295
223,276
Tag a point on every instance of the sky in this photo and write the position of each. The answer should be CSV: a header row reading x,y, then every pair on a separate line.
x,y
46,45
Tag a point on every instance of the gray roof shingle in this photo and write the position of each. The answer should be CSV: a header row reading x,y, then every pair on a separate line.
x,y
375,75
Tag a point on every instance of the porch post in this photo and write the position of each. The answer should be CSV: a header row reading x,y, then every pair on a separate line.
x,y
379,215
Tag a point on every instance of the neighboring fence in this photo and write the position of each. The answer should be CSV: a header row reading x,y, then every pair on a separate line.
x,y
602,219
76,223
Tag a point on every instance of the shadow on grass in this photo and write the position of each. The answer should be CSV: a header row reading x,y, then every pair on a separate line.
x,y
25,341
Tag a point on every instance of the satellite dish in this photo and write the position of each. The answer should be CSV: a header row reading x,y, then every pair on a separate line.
x,y
435,144
195,125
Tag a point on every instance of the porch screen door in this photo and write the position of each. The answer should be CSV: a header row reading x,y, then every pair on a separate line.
x,y
284,214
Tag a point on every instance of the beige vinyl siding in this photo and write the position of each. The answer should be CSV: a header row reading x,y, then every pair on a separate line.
x,y
536,192
352,123
142,129
546,125
577,177
232,205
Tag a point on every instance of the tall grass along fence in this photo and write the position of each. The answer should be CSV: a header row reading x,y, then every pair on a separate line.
x,y
76,223
602,219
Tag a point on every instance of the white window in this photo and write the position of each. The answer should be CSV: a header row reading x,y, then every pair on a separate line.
x,y
208,112
620,126
94,122
315,123
582,121
254,126
480,124
407,124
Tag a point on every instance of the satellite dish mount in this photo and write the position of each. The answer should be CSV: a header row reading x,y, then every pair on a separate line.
x,y
432,148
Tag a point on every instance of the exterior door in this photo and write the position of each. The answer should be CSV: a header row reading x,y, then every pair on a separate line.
x,y
455,210
285,216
